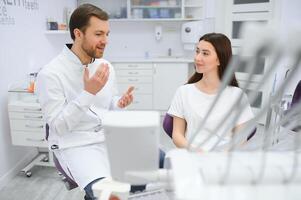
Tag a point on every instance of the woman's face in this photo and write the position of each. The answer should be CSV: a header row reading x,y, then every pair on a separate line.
x,y
205,59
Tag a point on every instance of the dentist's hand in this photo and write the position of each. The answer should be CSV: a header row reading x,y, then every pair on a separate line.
x,y
98,80
126,99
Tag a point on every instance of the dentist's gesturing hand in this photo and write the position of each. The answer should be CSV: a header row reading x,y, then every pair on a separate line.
x,y
127,98
98,80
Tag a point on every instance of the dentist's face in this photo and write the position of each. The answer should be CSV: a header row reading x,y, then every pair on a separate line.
x,y
205,58
95,37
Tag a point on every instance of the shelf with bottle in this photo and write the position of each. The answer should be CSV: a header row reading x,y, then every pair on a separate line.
x,y
166,9
156,2
24,86
151,10
154,12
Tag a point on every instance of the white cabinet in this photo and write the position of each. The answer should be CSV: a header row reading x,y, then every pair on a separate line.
x,y
239,12
259,71
26,119
155,9
151,9
139,75
155,82
262,97
193,9
167,78
27,126
251,5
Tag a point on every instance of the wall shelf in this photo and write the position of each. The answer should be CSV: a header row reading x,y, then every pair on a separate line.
x,y
154,19
151,10
192,6
56,32
147,7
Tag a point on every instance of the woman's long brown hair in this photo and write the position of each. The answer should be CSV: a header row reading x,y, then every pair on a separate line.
x,y
222,46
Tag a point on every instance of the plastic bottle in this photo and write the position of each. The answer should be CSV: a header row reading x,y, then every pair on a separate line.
x,y
32,79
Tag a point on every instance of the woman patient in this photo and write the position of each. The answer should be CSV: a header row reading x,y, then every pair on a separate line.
x,y
192,101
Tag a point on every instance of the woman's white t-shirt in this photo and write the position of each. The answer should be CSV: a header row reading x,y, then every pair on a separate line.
x,y
191,104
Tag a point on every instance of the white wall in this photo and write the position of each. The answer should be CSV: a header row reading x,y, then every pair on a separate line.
x,y
133,39
24,48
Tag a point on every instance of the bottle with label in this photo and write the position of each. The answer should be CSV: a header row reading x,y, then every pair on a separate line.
x,y
32,79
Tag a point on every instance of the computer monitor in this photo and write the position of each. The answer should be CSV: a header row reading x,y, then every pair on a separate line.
x,y
132,139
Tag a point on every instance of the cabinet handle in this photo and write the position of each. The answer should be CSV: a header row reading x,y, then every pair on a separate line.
x,y
133,73
35,140
132,65
33,117
30,126
136,102
133,80
32,109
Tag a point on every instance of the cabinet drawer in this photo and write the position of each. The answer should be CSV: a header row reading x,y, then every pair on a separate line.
x,y
24,138
139,88
133,66
27,125
142,102
144,72
25,108
133,80
26,116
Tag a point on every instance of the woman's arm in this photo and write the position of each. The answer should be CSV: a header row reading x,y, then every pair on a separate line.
x,y
178,133
237,129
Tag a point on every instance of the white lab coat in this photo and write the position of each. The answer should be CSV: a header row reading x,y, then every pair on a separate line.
x,y
75,116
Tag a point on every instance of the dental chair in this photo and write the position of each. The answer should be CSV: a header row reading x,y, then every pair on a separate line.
x,y
168,124
296,99
68,181
297,94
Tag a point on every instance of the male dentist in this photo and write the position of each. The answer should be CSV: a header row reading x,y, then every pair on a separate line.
x,y
75,90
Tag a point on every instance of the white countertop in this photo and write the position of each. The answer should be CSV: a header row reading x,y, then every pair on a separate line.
x,y
166,59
